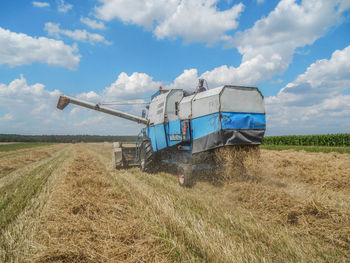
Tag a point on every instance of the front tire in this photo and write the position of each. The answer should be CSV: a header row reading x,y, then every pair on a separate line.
x,y
147,157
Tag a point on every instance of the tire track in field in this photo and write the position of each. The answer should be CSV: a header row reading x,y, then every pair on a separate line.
x,y
24,199
288,227
19,159
28,150
88,220
325,170
21,168
17,192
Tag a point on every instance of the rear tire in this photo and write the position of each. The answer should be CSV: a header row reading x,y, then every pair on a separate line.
x,y
185,176
147,157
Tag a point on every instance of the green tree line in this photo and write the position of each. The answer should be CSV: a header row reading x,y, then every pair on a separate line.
x,y
64,138
303,140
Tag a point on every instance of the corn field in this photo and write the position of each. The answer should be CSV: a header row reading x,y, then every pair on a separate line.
x,y
310,140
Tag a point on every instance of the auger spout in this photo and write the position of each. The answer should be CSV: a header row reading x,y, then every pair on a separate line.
x,y
65,100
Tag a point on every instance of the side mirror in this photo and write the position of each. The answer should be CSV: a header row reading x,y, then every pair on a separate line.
x,y
143,113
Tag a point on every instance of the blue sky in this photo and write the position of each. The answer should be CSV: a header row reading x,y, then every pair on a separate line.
x,y
296,52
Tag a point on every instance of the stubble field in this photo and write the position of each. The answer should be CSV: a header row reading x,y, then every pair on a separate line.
x,y
66,203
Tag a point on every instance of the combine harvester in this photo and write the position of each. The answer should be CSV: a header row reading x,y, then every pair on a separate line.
x,y
183,129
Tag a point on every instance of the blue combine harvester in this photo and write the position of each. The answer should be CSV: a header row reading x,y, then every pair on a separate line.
x,y
183,129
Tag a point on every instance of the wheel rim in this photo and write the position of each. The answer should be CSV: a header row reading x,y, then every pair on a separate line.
x,y
181,177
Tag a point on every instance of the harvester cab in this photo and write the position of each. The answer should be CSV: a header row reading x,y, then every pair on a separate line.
x,y
182,129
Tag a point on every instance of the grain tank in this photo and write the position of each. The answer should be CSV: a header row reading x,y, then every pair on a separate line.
x,y
182,129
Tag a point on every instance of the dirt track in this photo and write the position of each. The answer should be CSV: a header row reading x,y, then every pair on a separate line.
x,y
13,160
293,207
88,220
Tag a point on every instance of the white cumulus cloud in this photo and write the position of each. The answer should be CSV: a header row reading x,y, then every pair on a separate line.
x,y
63,7
267,48
134,86
193,20
78,35
317,100
20,49
92,23
188,80
27,106
31,109
40,4
199,21
89,96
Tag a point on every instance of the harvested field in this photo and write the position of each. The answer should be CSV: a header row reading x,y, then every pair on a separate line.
x,y
11,161
87,220
328,171
66,203
6,147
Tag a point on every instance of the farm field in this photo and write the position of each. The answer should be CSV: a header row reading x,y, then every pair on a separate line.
x,y
10,146
66,203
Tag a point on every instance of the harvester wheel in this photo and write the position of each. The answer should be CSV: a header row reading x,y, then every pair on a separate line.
x,y
147,158
184,176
